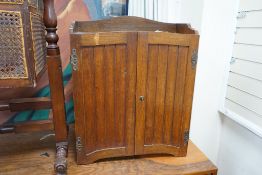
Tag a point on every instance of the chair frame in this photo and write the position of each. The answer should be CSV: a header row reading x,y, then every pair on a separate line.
x,y
56,102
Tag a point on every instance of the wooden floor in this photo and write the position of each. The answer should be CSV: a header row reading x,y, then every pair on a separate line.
x,y
26,154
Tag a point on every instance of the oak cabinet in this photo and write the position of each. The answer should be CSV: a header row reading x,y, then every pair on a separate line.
x,y
133,82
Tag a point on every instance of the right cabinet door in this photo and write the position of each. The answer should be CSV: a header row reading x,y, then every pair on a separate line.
x,y
165,82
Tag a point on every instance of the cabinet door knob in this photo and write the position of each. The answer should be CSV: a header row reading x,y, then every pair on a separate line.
x,y
141,98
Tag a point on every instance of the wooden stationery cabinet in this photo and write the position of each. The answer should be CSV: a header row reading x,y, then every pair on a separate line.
x,y
133,87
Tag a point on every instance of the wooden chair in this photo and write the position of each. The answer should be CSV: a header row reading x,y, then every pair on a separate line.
x,y
56,102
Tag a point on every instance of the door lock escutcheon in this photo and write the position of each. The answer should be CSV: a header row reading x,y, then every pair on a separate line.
x,y
141,98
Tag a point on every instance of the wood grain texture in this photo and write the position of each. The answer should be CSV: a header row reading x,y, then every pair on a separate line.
x,y
189,88
55,76
142,61
55,72
140,87
21,154
95,39
160,93
120,99
27,127
100,94
57,94
165,38
89,98
125,23
78,102
170,93
106,97
161,79
178,101
109,58
131,78
131,23
151,93
23,104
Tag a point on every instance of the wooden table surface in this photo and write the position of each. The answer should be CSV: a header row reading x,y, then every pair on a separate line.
x,y
21,154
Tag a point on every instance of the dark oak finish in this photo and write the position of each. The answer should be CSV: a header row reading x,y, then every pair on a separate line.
x,y
130,24
21,154
26,127
56,103
56,85
166,79
16,105
133,87
104,86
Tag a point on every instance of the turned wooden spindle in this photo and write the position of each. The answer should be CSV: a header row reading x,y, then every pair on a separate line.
x,y
56,86
50,20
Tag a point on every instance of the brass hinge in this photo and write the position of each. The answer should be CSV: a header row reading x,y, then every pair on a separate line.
x,y
186,137
79,145
74,60
194,59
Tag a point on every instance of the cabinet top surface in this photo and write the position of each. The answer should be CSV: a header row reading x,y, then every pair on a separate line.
x,y
128,24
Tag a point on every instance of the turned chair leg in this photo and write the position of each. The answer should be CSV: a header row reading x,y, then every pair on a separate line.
x,y
56,87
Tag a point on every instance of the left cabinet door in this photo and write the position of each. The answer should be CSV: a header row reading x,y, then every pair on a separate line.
x,y
104,79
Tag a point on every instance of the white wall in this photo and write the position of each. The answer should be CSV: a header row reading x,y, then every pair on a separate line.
x,y
240,150
234,149
159,10
215,50
191,12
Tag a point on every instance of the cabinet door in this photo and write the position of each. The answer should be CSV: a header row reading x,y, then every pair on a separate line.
x,y
104,95
165,82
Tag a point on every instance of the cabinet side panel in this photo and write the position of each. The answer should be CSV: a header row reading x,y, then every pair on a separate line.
x,y
189,88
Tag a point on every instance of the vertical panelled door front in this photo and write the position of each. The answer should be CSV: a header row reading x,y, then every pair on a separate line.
x,y
165,80
133,90
104,90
